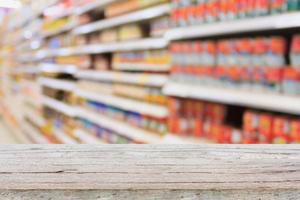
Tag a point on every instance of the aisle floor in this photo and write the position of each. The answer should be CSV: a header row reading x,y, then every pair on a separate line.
x,y
6,137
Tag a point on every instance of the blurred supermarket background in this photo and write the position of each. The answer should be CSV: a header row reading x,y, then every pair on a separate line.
x,y
150,71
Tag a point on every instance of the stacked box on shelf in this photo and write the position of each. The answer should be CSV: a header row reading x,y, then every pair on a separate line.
x,y
190,12
257,64
198,119
114,95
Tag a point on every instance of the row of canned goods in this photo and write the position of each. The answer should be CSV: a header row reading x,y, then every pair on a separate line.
x,y
199,119
193,12
250,63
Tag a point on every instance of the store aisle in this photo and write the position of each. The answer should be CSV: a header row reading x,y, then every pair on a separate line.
x,y
6,137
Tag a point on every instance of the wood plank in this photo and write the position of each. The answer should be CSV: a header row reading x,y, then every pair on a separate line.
x,y
150,171
151,195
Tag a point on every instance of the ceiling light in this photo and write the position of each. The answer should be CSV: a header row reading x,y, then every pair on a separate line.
x,y
10,4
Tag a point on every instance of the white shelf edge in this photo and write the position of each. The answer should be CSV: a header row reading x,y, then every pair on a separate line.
x,y
32,17
26,70
121,128
131,45
59,106
273,22
57,68
97,4
57,84
154,80
140,44
142,67
86,137
267,101
126,104
35,134
141,15
63,137
66,28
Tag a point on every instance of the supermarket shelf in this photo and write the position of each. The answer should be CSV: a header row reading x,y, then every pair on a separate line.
x,y
34,134
13,126
136,16
274,22
35,117
63,137
26,70
142,67
126,104
66,28
48,53
57,84
120,127
97,4
142,44
66,13
56,68
59,106
132,45
175,139
268,101
86,137
30,17
154,80
36,102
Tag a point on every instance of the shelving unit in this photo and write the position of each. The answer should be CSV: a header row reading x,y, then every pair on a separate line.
x,y
97,4
34,134
87,138
59,69
273,22
267,101
126,104
59,106
137,16
120,127
63,137
57,84
155,80
143,44
83,71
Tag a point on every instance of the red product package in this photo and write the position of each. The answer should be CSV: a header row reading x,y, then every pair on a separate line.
x,y
216,133
262,6
220,72
281,126
212,10
273,74
232,9
258,74
295,48
192,18
224,9
281,130
295,131
278,45
265,128
173,125
250,138
250,121
200,12
234,73
242,7
291,74
198,128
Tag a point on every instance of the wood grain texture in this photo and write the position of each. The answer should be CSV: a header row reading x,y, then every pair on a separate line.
x,y
140,168
151,195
